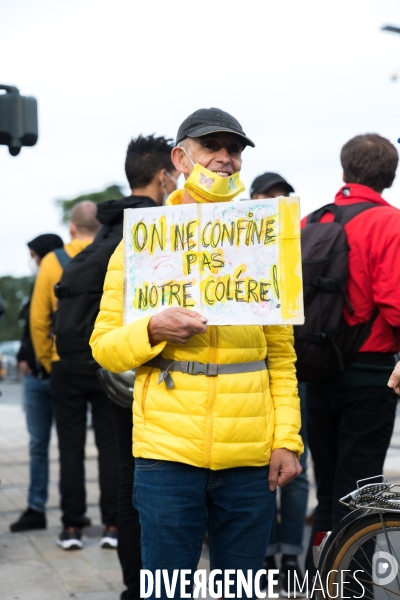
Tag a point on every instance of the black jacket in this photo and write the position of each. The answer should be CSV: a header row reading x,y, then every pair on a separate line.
x,y
111,213
80,289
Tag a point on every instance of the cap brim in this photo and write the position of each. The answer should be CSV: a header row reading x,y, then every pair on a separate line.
x,y
265,188
206,129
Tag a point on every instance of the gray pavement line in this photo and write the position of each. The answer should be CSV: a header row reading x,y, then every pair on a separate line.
x,y
25,486
10,513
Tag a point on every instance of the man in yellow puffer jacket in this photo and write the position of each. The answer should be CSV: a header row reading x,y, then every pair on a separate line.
x,y
209,451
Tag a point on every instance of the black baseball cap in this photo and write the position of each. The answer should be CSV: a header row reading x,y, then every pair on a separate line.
x,y
263,182
210,120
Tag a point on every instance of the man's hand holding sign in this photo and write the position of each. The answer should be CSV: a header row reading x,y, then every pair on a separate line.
x,y
175,325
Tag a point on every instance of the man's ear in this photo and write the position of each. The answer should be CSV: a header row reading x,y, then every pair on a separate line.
x,y
343,177
72,230
160,176
180,160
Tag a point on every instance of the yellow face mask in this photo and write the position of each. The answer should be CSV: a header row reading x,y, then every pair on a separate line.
x,y
206,186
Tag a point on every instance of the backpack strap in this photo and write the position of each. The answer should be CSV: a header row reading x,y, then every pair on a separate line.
x,y
65,291
352,210
317,215
62,257
342,214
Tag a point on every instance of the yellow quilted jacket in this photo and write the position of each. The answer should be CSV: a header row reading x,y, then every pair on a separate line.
x,y
216,422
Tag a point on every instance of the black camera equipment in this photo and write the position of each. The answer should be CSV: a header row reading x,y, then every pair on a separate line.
x,y
18,120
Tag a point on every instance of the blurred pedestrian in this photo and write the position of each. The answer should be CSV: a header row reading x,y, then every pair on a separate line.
x,y
288,525
350,416
37,403
71,394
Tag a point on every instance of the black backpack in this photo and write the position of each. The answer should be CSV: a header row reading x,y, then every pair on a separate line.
x,y
326,344
79,293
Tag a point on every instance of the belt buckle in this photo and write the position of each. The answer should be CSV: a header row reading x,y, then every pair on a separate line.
x,y
196,368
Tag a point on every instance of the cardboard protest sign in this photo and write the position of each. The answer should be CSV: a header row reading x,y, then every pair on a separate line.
x,y
236,263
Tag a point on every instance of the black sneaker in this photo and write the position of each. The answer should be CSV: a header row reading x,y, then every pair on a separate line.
x,y
269,563
70,539
292,580
30,519
109,539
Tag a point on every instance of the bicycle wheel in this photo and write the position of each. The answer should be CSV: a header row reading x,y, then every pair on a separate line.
x,y
373,551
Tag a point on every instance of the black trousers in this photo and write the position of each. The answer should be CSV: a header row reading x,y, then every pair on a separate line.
x,y
349,432
128,518
70,393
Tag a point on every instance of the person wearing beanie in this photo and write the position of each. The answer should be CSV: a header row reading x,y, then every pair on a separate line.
x,y
43,244
37,403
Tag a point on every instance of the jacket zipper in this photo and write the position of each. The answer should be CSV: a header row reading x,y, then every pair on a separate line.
x,y
213,384
144,391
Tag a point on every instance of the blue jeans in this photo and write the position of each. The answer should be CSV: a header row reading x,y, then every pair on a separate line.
x,y
39,417
287,536
177,503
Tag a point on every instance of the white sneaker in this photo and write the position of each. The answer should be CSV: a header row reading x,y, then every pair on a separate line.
x,y
70,540
109,539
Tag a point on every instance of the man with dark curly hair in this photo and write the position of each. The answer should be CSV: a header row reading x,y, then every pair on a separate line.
x,y
152,177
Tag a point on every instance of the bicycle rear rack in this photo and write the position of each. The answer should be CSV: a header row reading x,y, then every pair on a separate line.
x,y
374,496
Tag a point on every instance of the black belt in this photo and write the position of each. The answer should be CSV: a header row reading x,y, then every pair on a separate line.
x,y
379,359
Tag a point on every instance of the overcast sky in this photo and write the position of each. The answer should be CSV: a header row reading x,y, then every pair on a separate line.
x,y
301,77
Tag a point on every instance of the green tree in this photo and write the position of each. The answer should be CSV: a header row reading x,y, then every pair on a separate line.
x,y
112,192
15,291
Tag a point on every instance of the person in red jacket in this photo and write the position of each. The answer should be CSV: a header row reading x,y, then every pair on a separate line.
x,y
351,416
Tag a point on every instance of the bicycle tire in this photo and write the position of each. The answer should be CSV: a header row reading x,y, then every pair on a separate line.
x,y
365,529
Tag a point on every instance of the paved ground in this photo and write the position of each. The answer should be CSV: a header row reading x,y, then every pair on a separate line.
x,y
32,567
